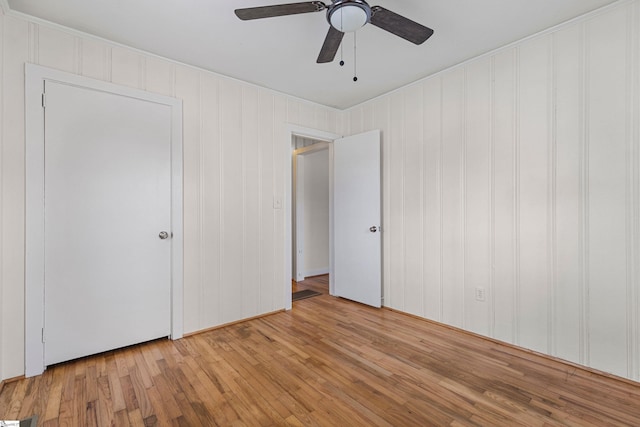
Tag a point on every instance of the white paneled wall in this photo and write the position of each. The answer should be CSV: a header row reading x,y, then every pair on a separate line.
x,y
233,166
518,173
2,304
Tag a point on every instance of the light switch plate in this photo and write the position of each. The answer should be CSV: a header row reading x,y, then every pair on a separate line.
x,y
277,202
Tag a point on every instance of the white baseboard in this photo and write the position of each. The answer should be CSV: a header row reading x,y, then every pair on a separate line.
x,y
316,272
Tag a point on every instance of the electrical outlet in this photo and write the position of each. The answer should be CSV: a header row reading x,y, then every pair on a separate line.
x,y
480,294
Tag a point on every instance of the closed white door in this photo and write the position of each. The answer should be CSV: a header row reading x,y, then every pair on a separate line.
x,y
107,199
357,236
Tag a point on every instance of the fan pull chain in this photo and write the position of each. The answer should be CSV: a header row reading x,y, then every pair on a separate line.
x,y
341,21
355,77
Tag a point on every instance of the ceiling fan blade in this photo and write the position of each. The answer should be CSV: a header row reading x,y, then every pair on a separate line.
x,y
279,10
330,46
399,25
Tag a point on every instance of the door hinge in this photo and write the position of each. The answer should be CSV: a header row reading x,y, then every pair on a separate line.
x,y
44,103
43,335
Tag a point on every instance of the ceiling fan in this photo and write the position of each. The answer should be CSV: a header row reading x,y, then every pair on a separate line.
x,y
344,16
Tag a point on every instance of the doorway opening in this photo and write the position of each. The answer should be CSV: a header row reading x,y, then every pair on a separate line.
x,y
310,217
291,133
354,214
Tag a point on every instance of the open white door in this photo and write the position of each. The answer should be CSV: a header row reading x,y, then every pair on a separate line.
x,y
357,239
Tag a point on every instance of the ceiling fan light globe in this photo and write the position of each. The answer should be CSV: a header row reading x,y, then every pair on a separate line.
x,y
348,18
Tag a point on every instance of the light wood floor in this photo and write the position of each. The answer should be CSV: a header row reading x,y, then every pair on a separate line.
x,y
328,362
316,283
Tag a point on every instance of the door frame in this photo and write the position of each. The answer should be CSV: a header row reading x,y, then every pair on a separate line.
x,y
299,270
35,76
291,131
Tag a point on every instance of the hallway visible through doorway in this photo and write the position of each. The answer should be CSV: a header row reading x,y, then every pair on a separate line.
x,y
314,283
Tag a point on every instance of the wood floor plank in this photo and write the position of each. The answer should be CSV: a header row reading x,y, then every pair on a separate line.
x,y
115,387
327,362
121,418
79,400
14,408
92,381
146,410
190,414
135,418
32,401
104,404
66,414
130,399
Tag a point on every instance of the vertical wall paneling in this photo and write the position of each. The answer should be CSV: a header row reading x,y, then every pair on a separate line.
x,y
533,193
584,202
412,200
633,215
516,197
251,197
334,122
551,196
279,117
187,88
529,180
492,199
432,128
95,60
636,186
16,49
33,30
267,237
368,122
56,49
2,322
504,202
159,76
293,111
355,121
631,82
568,135
321,117
396,230
452,206
211,205
307,115
477,195
232,265
607,145
463,201
125,67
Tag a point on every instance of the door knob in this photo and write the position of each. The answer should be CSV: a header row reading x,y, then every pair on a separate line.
x,y
373,229
163,235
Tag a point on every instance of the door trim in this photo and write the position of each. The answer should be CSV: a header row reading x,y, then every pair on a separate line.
x,y
35,76
289,148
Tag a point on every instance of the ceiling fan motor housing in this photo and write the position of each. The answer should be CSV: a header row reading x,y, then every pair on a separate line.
x,y
348,15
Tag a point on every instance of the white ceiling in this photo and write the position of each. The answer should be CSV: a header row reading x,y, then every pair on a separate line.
x,y
280,53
